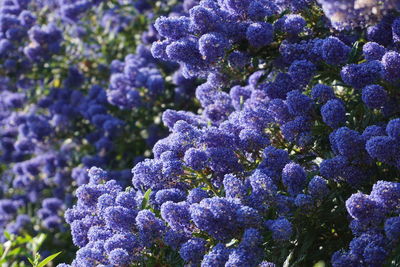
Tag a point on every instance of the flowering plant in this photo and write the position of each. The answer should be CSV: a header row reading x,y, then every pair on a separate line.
x,y
274,127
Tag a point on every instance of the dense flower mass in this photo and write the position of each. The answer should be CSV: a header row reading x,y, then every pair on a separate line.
x,y
202,132
353,13
375,231
56,119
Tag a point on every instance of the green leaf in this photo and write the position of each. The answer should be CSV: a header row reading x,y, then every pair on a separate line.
x,y
8,235
15,251
23,239
37,242
31,261
146,198
320,264
48,259
354,52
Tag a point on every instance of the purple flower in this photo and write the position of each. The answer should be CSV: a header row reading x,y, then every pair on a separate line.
x,y
193,250
281,229
260,34
334,51
363,208
333,113
294,178
374,96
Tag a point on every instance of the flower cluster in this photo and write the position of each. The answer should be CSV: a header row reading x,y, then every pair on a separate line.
x,y
138,81
293,119
26,46
255,129
354,13
22,40
56,120
206,40
375,225
102,221
138,71
72,10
